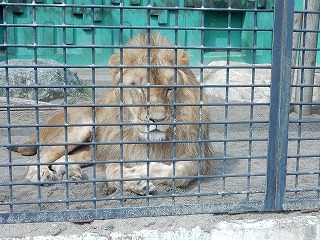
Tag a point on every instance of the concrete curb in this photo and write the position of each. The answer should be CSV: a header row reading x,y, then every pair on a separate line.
x,y
301,227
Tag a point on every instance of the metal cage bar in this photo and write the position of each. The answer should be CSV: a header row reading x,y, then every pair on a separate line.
x,y
266,158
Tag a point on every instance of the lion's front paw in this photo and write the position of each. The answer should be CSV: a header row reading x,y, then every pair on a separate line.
x,y
139,187
74,171
45,174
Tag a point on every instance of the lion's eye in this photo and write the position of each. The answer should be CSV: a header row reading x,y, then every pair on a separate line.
x,y
170,90
136,87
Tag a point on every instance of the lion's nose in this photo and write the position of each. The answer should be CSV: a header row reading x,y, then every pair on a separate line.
x,y
157,117
157,114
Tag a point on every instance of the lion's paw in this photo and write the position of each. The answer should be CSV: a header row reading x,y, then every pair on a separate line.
x,y
45,174
74,171
139,187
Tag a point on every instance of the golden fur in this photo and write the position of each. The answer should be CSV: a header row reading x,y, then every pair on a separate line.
x,y
153,110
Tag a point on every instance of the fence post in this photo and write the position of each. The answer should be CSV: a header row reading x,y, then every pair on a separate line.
x,y
279,104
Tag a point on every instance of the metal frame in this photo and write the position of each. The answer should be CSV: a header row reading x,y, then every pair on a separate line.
x,y
275,191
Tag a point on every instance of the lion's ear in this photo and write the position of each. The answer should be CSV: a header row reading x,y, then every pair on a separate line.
x,y
183,58
113,62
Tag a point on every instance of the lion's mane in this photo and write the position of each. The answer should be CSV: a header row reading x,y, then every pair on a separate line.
x,y
188,131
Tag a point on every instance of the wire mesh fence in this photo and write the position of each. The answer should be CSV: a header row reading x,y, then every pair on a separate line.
x,y
118,108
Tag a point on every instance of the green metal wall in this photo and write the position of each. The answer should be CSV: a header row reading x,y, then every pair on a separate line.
x,y
80,37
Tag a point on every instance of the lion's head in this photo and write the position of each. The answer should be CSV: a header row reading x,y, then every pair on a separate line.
x,y
153,78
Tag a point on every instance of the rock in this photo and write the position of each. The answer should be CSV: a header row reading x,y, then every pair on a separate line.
x,y
238,77
242,75
109,226
25,77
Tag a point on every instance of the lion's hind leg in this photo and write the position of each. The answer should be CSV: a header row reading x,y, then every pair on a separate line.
x,y
26,150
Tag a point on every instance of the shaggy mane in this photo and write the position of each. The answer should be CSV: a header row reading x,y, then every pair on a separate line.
x,y
159,53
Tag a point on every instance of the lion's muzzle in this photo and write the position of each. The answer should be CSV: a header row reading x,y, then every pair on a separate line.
x,y
154,133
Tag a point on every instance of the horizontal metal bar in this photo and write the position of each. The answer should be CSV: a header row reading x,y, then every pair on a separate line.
x,y
306,85
65,26
177,86
133,7
304,155
198,177
92,67
304,173
12,126
304,138
305,103
301,204
226,48
141,142
129,197
94,105
101,162
94,162
304,190
306,67
129,212
307,11
304,120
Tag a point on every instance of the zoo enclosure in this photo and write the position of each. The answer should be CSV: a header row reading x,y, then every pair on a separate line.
x,y
279,170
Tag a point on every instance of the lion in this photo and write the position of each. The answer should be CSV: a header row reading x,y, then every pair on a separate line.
x,y
152,129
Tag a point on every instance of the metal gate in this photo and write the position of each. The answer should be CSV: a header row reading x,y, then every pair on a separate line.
x,y
264,123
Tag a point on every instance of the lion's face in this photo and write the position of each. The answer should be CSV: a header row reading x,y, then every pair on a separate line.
x,y
152,106
148,92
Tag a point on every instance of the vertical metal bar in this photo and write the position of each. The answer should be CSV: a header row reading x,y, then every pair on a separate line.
x,y
93,97
6,60
201,144
65,102
121,102
36,95
279,104
299,141
174,157
253,71
148,101
226,108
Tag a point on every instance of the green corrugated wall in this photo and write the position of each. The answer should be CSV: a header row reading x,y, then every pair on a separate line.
x,y
78,39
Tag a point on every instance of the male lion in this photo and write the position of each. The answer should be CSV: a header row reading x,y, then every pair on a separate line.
x,y
148,127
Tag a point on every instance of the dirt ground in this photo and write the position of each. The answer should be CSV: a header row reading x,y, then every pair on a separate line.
x,y
240,150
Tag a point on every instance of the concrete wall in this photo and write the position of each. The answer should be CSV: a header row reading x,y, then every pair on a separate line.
x,y
205,227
